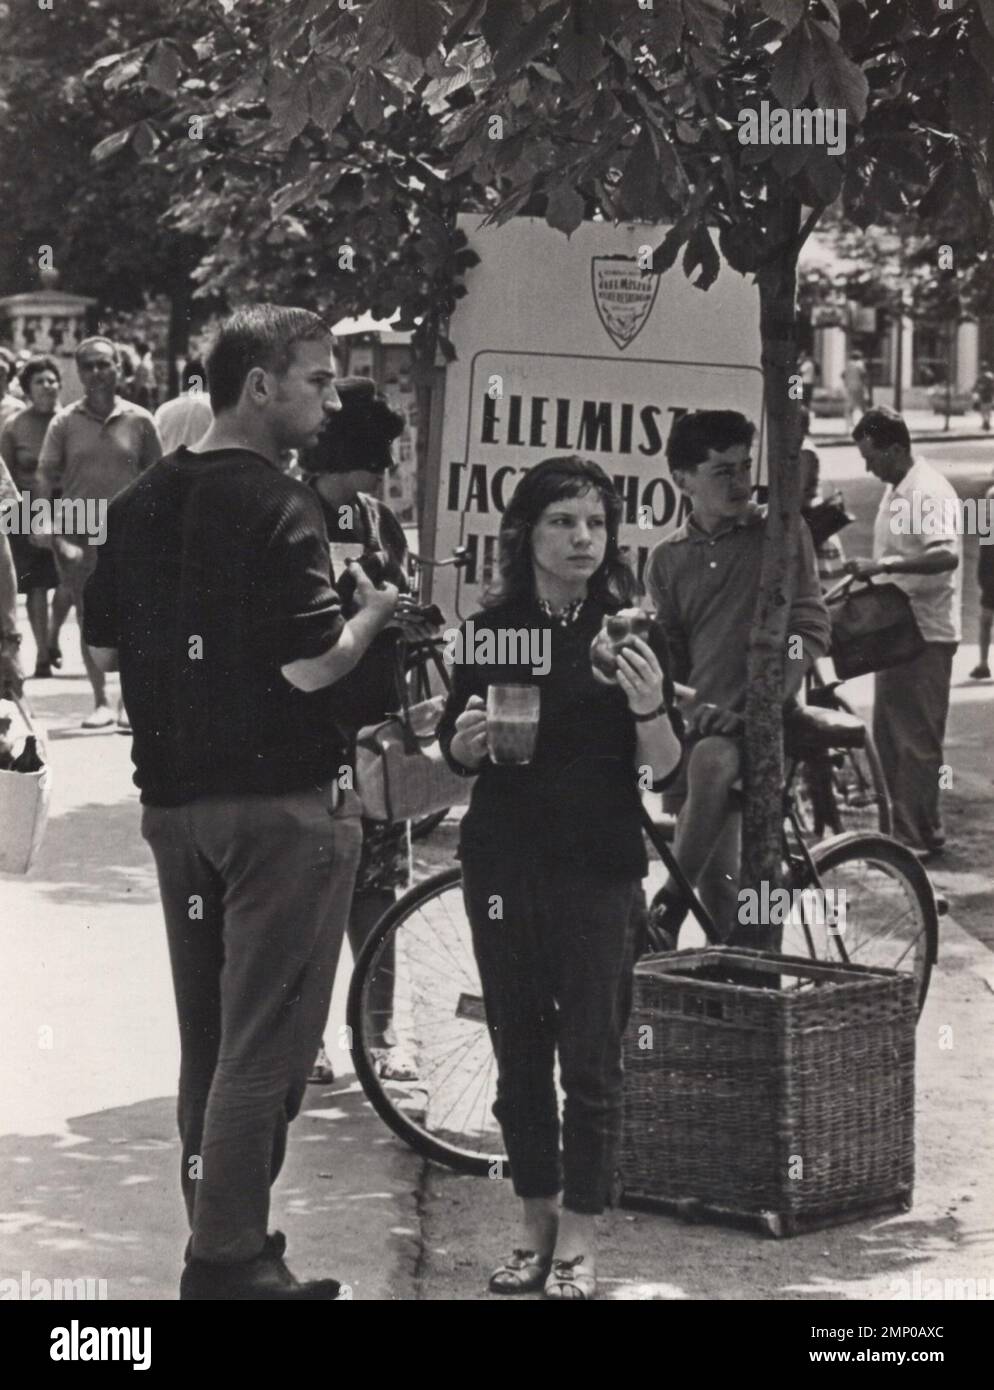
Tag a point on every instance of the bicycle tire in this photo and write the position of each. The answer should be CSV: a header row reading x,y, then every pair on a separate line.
x,y
848,860
397,1103
848,795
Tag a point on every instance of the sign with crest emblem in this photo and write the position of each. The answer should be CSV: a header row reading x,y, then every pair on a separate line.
x,y
624,296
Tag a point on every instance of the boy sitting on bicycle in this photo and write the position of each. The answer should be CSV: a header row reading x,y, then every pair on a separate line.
x,y
703,581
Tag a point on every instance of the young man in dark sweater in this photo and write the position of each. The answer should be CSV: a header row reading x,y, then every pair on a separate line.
x,y
213,596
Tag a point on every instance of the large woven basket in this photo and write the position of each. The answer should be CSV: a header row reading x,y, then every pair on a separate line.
x,y
789,1103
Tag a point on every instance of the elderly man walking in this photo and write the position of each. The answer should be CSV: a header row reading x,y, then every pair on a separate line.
x,y
916,545
92,449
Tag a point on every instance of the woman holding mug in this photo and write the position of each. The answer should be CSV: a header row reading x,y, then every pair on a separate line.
x,y
553,860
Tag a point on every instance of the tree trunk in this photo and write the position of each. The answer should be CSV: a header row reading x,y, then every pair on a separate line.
x,y
763,819
179,331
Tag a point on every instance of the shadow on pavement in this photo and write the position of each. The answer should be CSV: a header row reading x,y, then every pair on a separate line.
x,y
93,855
102,1201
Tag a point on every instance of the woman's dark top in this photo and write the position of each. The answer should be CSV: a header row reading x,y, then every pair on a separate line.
x,y
578,800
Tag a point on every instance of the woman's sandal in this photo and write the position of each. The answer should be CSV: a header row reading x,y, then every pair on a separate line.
x,y
523,1272
568,1282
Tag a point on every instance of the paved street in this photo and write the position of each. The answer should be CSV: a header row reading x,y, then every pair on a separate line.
x,y
88,1153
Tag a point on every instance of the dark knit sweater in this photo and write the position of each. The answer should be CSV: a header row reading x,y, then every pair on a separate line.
x,y
224,548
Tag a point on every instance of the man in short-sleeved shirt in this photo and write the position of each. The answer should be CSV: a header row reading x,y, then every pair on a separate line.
x,y
917,546
213,594
91,451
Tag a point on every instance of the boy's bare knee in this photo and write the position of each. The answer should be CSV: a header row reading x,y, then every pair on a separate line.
x,y
717,758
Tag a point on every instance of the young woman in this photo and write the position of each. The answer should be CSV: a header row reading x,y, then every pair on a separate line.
x,y
553,859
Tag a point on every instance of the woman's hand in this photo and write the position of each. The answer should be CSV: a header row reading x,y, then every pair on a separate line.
x,y
469,743
640,676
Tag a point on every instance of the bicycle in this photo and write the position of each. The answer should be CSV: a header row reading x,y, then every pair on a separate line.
x,y
420,959
425,671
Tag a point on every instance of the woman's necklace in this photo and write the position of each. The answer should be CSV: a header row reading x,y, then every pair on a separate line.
x,y
565,616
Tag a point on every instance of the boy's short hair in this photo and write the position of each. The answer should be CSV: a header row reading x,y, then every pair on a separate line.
x,y
261,335
883,427
695,434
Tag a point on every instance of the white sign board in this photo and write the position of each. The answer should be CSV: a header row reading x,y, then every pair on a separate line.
x,y
565,347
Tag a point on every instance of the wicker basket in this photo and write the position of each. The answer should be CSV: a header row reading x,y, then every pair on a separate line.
x,y
789,1103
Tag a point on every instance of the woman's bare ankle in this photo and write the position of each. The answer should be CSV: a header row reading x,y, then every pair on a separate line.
x,y
540,1223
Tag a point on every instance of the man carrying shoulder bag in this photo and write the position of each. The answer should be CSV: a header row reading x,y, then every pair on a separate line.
x,y
917,546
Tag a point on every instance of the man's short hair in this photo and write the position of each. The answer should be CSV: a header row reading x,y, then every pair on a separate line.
x,y
98,338
263,335
695,434
883,427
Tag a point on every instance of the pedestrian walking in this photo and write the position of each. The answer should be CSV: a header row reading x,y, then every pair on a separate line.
x,y
985,579
553,860
808,372
983,394
20,447
346,469
213,593
819,513
855,382
144,385
11,675
10,405
187,418
911,701
91,450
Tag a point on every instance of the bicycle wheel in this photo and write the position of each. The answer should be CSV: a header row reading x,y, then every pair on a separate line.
x,y
855,795
883,903
416,985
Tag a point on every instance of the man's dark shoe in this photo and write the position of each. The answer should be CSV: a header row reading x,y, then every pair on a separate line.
x,y
264,1278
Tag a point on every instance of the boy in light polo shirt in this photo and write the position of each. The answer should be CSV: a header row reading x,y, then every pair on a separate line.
x,y
703,581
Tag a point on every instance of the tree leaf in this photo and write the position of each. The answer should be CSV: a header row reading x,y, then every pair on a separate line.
x,y
970,100
581,56
987,10
520,45
440,88
367,103
838,81
286,97
662,30
163,69
706,19
418,26
565,208
144,140
701,253
638,191
111,145
665,254
786,12
824,172
328,95
793,68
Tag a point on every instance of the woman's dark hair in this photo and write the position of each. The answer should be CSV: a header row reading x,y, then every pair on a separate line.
x,y
359,435
263,335
33,367
548,482
695,434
